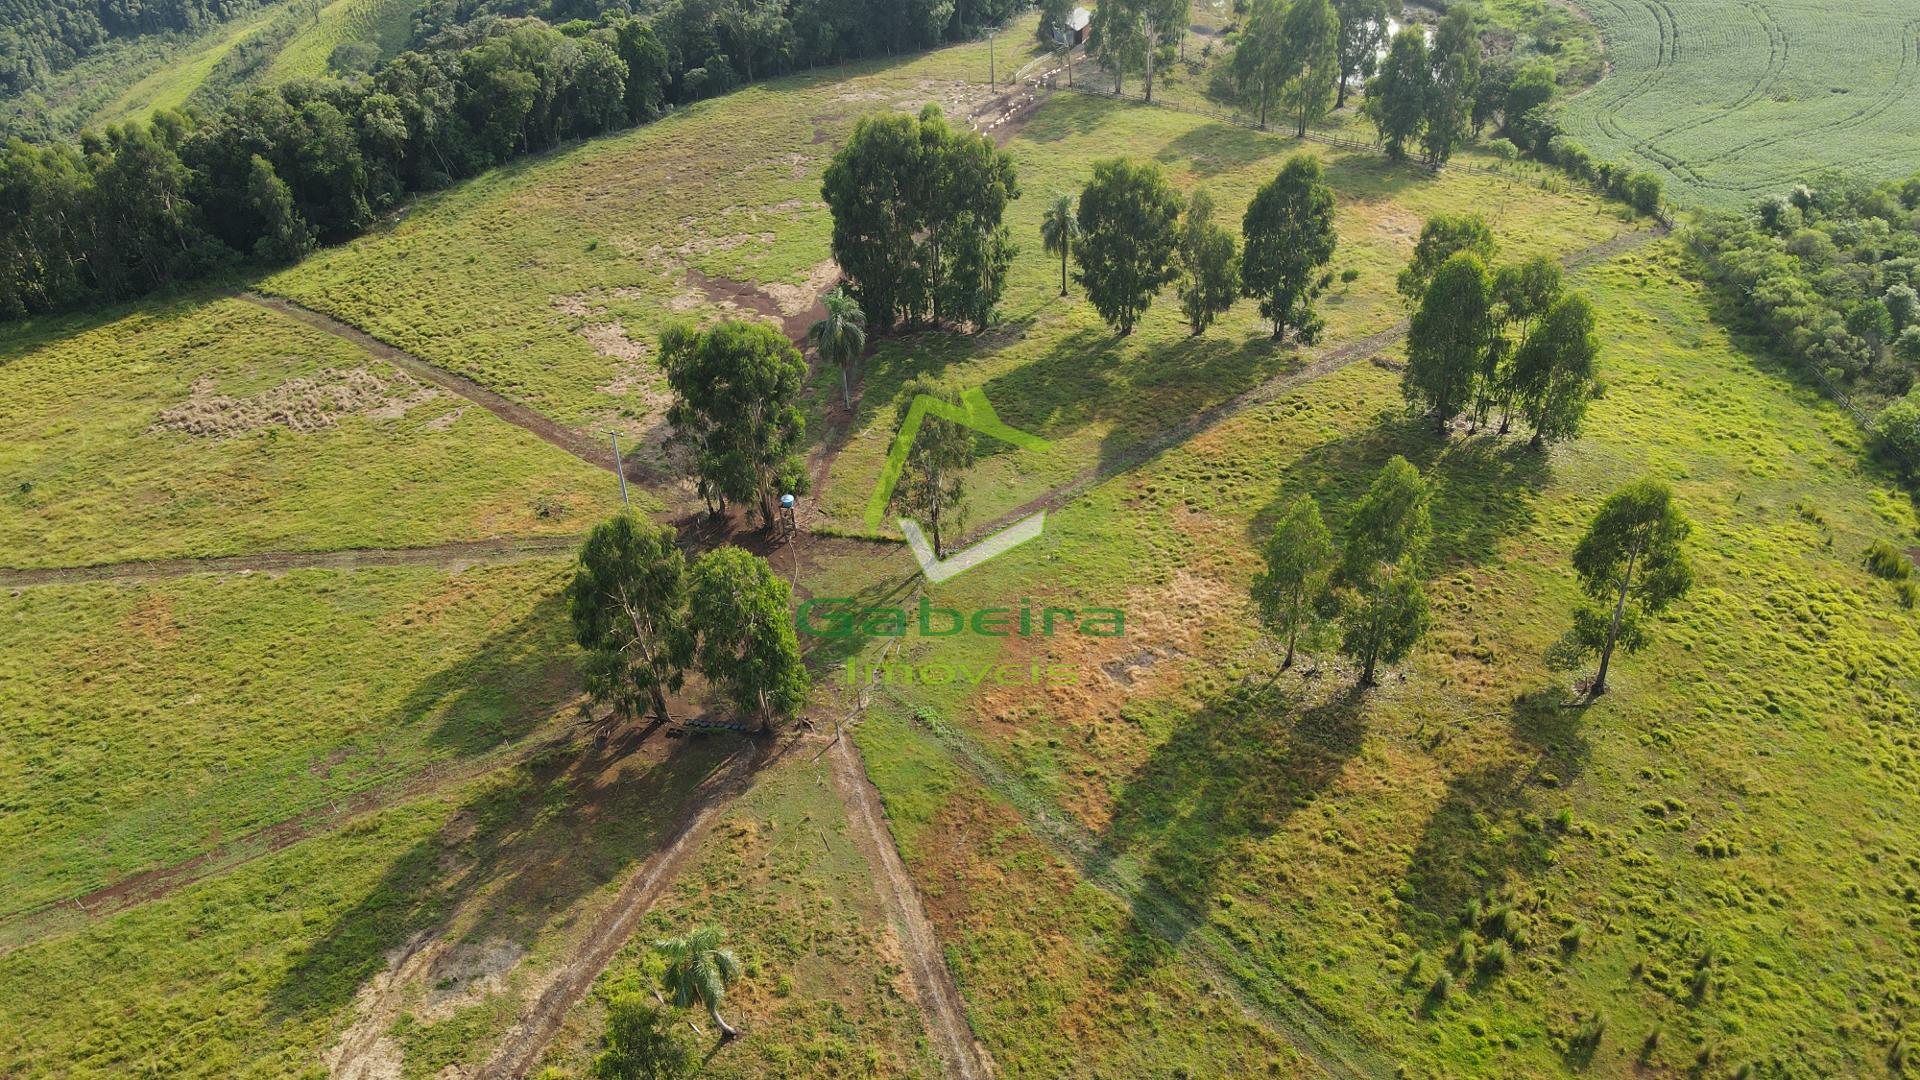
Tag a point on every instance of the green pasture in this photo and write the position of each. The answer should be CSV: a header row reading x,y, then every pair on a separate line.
x,y
150,723
1715,852
200,427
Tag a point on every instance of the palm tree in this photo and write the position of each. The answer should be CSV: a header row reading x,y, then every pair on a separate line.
x,y
699,970
842,336
1058,229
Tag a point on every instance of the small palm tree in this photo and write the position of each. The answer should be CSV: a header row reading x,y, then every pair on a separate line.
x,y
699,971
842,336
1059,229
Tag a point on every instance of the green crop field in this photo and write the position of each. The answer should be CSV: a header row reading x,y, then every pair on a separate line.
x,y
1730,101
299,776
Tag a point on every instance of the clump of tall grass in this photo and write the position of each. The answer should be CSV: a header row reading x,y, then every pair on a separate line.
x,y
1885,561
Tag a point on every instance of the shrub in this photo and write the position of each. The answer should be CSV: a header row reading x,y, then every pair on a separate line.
x,y
1504,149
1649,1044
641,1041
1570,941
1417,970
1643,191
1586,1038
1466,953
1503,922
1571,156
1897,434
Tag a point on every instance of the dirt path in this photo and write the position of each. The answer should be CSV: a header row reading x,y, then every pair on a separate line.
x,y
1326,364
22,928
589,450
455,556
939,996
1263,999
568,984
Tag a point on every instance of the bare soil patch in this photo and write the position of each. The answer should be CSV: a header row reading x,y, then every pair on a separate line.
x,y
932,983
305,404
573,442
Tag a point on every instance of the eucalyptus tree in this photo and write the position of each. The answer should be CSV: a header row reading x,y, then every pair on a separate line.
x,y
1300,559
1128,217
1290,238
1448,340
1631,560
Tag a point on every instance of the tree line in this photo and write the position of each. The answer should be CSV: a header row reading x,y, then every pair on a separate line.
x,y
141,206
1129,235
1432,92
40,38
1829,273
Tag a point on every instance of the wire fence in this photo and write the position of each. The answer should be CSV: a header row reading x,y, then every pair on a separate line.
x,y
1240,119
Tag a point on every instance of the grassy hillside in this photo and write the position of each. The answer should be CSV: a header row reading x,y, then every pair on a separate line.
x,y
171,83
356,820
1729,101
385,24
213,427
1714,852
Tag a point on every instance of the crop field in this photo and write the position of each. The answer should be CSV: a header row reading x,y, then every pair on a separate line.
x,y
1730,101
298,776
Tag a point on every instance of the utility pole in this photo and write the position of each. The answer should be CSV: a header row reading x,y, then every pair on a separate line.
x,y
618,470
993,78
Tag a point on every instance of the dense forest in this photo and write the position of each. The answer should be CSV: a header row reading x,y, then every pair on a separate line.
x,y
39,38
140,206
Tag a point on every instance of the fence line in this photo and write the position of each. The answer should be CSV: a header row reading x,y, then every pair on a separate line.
x,y
1241,120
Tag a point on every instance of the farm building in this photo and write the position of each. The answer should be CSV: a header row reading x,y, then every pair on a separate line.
x,y
1079,23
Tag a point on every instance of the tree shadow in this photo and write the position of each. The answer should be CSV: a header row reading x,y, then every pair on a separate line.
x,y
826,654
1483,486
1212,149
507,863
1153,395
1369,177
1490,826
503,689
1226,778
1066,116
